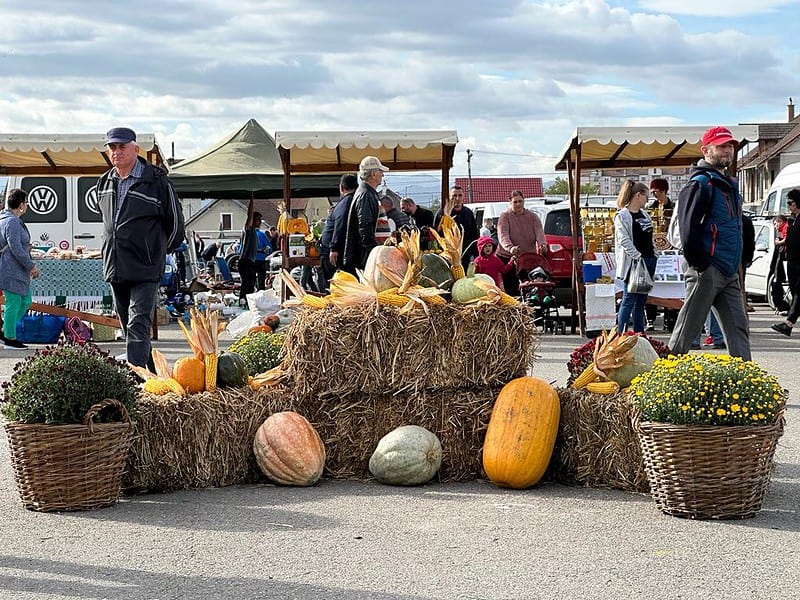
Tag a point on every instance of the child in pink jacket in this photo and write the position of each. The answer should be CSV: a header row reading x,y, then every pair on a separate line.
x,y
489,263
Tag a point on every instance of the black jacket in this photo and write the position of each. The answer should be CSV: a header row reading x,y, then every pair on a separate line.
x,y
466,218
149,226
333,235
362,219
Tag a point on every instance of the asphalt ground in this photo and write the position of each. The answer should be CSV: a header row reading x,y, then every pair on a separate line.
x,y
359,540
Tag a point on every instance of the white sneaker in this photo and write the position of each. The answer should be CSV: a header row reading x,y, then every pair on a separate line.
x,y
122,357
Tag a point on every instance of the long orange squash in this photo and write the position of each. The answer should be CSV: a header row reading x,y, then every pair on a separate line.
x,y
289,450
521,434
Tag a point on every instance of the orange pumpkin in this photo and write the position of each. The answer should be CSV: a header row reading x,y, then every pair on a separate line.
x,y
289,450
190,372
264,328
312,250
273,321
522,432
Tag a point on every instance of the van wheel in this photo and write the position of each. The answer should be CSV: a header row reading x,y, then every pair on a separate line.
x,y
233,262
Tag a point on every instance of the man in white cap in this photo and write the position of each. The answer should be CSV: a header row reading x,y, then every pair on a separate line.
x,y
710,221
362,218
142,223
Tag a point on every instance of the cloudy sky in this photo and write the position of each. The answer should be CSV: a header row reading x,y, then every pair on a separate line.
x,y
513,77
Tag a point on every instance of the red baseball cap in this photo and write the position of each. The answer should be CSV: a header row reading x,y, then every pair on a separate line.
x,y
717,136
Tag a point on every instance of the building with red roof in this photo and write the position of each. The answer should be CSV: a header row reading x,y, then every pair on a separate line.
x,y
498,189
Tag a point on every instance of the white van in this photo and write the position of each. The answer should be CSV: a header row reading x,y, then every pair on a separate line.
x,y
62,210
775,203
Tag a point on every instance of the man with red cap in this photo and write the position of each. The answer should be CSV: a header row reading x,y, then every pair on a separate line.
x,y
710,219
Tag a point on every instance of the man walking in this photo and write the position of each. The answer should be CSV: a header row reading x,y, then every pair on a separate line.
x,y
710,219
792,244
362,217
332,239
142,223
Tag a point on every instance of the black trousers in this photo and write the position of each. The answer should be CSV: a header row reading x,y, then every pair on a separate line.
x,y
247,272
261,274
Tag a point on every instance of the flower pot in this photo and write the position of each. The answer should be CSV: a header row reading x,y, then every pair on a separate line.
x,y
709,472
70,467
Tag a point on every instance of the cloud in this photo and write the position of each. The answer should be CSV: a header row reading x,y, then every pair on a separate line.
x,y
507,74
715,8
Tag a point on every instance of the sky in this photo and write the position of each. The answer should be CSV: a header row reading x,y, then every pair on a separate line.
x,y
513,78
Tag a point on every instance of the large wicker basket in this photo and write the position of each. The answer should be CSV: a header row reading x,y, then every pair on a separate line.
x,y
708,472
70,467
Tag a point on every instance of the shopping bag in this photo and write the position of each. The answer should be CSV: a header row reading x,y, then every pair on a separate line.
x,y
639,280
37,328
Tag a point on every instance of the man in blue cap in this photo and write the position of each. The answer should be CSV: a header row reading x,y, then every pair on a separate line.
x,y
142,223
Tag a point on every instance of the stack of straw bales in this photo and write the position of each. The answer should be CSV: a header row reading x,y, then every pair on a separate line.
x,y
355,373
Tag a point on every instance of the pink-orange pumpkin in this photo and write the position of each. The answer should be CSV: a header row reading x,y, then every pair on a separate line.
x,y
289,450
382,260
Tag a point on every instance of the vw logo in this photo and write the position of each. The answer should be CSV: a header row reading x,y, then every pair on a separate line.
x,y
91,200
42,200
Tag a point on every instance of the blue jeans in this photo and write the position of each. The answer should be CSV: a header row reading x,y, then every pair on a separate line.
x,y
633,304
713,329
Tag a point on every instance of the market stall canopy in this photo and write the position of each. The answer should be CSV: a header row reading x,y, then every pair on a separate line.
x,y
631,147
338,151
244,164
64,153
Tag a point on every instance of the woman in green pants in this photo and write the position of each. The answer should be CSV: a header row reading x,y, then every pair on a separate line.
x,y
16,267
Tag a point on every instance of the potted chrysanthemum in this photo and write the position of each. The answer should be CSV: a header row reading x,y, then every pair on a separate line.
x,y
708,425
67,409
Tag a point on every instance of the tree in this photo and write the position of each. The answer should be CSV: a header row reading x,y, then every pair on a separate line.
x,y
559,188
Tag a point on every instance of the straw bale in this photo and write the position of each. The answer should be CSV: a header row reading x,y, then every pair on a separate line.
x,y
202,440
206,439
369,350
596,444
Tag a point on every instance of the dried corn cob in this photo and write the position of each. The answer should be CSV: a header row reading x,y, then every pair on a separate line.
x,y
314,301
392,298
210,361
457,271
434,300
588,375
507,300
602,387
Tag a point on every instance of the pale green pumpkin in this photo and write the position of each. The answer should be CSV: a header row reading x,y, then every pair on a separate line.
x,y
408,455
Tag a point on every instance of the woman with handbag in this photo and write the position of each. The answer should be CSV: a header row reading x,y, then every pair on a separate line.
x,y
16,267
634,253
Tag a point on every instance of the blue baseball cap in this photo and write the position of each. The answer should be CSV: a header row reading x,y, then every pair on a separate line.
x,y
120,135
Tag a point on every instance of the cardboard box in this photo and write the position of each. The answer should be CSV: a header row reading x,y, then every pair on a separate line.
x,y
162,316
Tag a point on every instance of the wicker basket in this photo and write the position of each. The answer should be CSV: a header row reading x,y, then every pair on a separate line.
x,y
708,472
70,467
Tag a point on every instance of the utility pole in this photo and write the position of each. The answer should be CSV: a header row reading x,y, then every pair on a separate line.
x,y
469,175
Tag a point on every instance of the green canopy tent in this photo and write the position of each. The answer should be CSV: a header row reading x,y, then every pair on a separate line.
x,y
245,164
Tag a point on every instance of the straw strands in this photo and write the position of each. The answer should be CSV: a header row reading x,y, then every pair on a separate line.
x,y
596,444
341,351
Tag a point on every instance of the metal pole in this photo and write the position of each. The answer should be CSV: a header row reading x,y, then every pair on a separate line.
x,y
469,175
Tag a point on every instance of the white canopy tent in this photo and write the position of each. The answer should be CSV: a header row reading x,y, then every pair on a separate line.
x,y
628,147
64,153
342,151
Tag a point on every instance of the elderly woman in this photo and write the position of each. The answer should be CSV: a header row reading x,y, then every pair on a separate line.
x,y
16,266
633,239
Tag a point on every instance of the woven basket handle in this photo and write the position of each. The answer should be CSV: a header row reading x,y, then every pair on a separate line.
x,y
95,409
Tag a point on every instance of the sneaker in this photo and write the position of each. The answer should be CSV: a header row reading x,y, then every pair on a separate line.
x,y
650,326
14,345
709,341
720,346
782,328
122,357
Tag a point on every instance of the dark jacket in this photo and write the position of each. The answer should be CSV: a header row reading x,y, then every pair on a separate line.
x,y
149,226
466,218
333,235
422,217
710,220
362,218
398,216
793,241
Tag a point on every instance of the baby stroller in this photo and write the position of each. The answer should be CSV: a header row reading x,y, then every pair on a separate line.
x,y
537,290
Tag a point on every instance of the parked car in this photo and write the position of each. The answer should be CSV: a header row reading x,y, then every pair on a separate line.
x,y
758,278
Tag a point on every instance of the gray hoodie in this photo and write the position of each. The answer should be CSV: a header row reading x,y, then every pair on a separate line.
x,y
15,254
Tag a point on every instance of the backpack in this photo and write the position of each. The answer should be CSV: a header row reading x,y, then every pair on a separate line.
x,y
76,331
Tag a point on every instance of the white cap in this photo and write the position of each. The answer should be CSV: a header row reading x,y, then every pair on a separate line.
x,y
371,162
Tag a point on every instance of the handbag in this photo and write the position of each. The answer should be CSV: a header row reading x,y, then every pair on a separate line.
x,y
639,280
